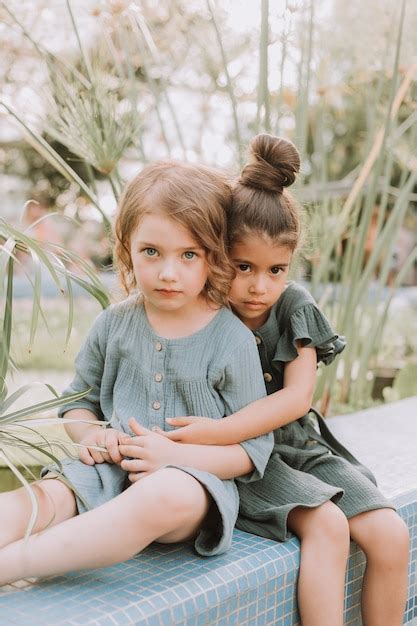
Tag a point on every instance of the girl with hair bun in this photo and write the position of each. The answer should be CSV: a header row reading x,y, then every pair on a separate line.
x,y
312,486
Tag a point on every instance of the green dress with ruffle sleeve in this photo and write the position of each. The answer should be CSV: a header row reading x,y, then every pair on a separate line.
x,y
308,466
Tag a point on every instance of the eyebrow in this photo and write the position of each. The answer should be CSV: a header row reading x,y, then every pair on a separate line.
x,y
237,260
154,245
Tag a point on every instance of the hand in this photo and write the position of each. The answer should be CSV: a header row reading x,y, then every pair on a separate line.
x,y
200,430
107,439
148,449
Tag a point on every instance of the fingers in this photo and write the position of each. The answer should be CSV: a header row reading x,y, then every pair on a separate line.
x,y
174,435
134,477
112,445
181,421
135,451
101,456
85,456
134,465
137,428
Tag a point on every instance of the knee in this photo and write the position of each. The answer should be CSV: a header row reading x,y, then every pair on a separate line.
x,y
388,540
170,493
328,528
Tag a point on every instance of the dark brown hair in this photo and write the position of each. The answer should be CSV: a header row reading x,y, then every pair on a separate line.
x,y
260,201
195,196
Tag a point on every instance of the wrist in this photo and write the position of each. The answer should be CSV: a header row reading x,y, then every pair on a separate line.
x,y
176,456
85,430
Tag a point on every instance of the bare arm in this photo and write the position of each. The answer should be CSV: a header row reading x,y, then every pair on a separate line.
x,y
77,430
261,416
150,451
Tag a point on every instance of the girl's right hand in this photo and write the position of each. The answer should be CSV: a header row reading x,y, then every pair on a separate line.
x,y
107,439
195,429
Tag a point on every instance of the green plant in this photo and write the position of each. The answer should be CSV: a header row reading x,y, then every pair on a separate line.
x,y
356,139
18,428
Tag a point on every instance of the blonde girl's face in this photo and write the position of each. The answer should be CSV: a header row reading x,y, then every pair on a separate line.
x,y
170,267
261,277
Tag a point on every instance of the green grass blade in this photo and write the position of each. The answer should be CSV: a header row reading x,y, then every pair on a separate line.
x,y
6,331
43,406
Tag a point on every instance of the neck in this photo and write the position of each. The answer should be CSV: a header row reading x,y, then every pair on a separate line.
x,y
182,323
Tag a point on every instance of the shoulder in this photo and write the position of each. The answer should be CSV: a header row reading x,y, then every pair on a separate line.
x,y
295,295
119,314
230,339
231,327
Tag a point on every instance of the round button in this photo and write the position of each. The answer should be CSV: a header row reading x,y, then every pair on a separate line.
x,y
267,377
258,340
158,346
156,405
158,377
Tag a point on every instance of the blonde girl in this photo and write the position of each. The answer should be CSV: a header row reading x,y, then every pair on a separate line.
x,y
171,350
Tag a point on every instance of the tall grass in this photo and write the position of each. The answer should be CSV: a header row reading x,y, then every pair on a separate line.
x,y
19,429
95,111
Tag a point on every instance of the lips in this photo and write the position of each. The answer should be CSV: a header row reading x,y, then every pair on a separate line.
x,y
254,303
168,292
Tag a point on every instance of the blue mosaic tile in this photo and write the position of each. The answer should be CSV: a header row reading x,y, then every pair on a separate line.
x,y
253,584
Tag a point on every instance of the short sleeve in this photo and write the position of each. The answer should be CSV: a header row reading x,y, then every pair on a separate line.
x,y
242,383
311,327
89,366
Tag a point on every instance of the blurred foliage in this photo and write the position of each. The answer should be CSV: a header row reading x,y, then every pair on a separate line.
x,y
143,80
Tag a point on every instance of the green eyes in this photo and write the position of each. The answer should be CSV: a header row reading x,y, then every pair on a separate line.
x,y
153,252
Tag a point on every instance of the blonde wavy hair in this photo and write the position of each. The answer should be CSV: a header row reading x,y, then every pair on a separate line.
x,y
196,197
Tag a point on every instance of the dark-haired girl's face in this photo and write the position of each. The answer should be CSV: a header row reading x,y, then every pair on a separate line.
x,y
261,274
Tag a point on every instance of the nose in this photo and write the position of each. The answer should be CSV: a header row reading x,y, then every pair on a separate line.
x,y
258,285
168,271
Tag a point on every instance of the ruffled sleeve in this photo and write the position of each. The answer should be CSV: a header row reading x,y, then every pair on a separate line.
x,y
310,326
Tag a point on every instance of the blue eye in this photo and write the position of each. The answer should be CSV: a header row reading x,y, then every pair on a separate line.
x,y
150,251
189,255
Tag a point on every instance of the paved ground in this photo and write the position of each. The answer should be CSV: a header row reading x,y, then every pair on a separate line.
x,y
385,439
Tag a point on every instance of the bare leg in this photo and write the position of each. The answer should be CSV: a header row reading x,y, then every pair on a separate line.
x,y
56,503
384,538
169,505
324,536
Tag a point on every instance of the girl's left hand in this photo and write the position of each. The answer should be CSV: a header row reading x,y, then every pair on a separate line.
x,y
148,450
193,429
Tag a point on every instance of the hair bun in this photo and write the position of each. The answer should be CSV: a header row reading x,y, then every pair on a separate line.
x,y
273,166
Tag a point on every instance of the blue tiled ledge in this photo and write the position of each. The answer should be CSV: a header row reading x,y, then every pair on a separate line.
x,y
254,584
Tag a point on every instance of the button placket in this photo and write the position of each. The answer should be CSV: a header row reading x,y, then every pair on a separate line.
x,y
156,418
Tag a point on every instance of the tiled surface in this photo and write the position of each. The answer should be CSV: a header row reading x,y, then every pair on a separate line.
x,y
252,585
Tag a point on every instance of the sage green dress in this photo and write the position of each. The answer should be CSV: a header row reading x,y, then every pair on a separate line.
x,y
308,466
133,372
